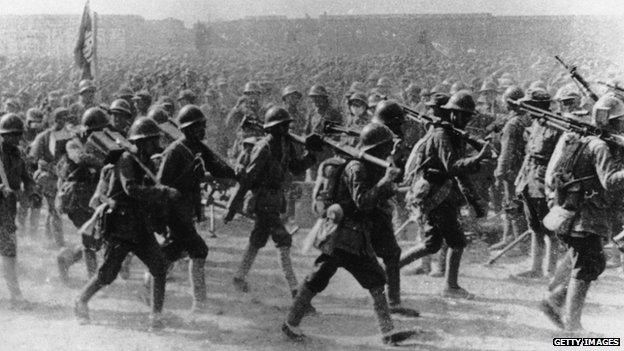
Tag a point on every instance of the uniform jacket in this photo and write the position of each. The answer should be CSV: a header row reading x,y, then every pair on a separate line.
x,y
513,147
17,176
316,120
78,175
244,112
600,191
360,194
539,148
267,172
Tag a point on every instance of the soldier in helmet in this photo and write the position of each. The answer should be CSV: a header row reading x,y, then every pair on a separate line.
x,y
167,104
28,209
358,111
34,124
568,99
186,97
247,110
134,195
142,101
47,149
122,116
384,87
11,130
86,91
271,160
126,93
508,165
158,114
79,174
183,167
580,214
362,187
291,96
440,168
530,187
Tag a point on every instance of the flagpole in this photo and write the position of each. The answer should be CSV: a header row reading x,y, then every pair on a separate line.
x,y
94,64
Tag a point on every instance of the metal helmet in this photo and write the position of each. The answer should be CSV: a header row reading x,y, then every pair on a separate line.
x,y
158,114
85,85
438,100
566,93
513,92
608,107
34,115
538,84
121,106
374,100
538,97
388,111
439,88
290,89
357,87
187,95
276,115
189,115
11,123
413,89
384,82
124,92
60,113
361,97
144,96
143,128
318,90
457,86
94,118
488,85
461,101
373,135
252,88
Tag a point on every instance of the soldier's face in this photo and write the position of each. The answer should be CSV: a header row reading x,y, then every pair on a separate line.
x,y
460,119
357,110
196,131
292,99
319,101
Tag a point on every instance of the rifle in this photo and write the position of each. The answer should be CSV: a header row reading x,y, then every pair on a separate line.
x,y
330,127
578,78
422,118
568,124
612,86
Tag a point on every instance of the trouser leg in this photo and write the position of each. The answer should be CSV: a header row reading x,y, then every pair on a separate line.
x,y
9,267
575,300
248,259
382,311
198,282
287,268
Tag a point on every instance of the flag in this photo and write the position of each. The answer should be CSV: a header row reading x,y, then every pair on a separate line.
x,y
85,51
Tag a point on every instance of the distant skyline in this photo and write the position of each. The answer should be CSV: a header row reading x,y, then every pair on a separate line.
x,y
204,10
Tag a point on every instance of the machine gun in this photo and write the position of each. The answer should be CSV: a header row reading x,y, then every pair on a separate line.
x,y
422,118
578,78
330,127
568,124
236,200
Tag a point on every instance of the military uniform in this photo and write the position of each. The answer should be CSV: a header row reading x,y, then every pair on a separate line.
x,y
241,131
315,123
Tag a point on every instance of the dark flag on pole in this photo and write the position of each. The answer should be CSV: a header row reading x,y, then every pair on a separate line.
x,y
85,51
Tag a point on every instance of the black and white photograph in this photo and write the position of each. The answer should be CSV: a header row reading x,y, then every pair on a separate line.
x,y
311,175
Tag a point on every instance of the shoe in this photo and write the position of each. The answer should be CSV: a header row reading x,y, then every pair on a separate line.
x,y
310,311
551,313
457,293
81,311
156,322
404,311
293,333
396,337
240,285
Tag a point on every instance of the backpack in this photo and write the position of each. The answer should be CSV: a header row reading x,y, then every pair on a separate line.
x,y
326,184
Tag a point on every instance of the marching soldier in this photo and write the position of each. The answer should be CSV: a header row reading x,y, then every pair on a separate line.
x,y
46,149
186,97
291,96
78,176
248,109
435,190
568,99
183,167
580,213
134,195
142,101
28,209
362,187
530,186
122,116
508,165
86,91
15,176
272,158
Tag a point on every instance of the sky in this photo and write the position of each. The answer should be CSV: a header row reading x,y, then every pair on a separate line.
x,y
203,10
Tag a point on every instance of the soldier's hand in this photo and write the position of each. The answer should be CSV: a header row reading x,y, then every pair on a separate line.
x,y
485,151
314,142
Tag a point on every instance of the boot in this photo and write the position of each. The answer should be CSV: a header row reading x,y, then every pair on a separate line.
x,y
394,290
248,259
452,289
301,302
158,293
413,254
156,322
310,310
552,254
389,335
537,256
575,300
81,309
9,266
90,262
551,306
198,282
286,264
439,263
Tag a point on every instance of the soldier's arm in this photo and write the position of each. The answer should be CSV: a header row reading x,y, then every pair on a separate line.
x,y
611,177
215,165
364,196
75,152
509,145
257,162
299,164
131,182
170,167
26,178
453,164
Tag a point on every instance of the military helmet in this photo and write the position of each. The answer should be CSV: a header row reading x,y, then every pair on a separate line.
x,y
11,123
165,101
438,100
318,90
13,102
121,106
389,111
94,118
374,100
461,101
85,85
189,115
373,135
457,86
537,97
608,107
60,113
566,93
252,88
34,115
187,95
290,89
413,89
384,82
143,128
276,115
488,85
513,92
361,97
439,88
538,84
356,87
158,114
143,95
124,92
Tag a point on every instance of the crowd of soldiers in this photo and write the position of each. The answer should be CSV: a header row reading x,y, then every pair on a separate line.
x,y
143,186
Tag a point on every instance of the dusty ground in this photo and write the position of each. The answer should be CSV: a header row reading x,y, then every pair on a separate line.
x,y
503,317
